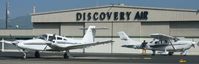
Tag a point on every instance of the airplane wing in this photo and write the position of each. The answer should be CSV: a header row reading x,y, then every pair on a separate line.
x,y
163,37
89,44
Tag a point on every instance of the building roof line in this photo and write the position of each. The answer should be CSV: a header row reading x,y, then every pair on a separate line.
x,y
119,6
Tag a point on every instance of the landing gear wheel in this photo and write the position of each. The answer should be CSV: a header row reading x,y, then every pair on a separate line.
x,y
37,54
24,54
66,56
24,57
153,52
170,53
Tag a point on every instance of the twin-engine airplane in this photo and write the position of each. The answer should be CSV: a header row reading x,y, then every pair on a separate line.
x,y
161,42
52,42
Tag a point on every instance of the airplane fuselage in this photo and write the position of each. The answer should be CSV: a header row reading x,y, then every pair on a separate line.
x,y
43,45
178,46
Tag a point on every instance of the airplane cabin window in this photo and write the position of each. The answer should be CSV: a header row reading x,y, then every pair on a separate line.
x,y
165,41
156,42
65,39
58,38
51,38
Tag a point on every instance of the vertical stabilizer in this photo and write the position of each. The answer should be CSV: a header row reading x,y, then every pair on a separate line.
x,y
89,37
126,40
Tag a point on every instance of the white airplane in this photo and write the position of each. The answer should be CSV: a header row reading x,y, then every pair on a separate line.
x,y
163,43
52,42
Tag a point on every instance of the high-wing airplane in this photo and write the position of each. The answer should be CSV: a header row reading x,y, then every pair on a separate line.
x,y
163,43
52,42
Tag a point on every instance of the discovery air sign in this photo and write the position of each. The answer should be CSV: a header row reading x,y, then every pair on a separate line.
x,y
115,16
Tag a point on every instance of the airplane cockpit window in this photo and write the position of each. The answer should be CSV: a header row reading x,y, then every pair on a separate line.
x,y
65,39
51,38
59,38
156,42
43,37
166,41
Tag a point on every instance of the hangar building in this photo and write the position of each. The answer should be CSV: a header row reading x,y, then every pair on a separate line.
x,y
137,22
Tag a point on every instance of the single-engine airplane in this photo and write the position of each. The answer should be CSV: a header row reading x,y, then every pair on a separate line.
x,y
163,43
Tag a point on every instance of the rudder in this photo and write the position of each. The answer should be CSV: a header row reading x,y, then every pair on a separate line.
x,y
89,37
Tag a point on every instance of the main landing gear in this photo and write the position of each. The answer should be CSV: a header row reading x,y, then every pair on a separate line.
x,y
170,53
67,54
37,54
24,54
153,52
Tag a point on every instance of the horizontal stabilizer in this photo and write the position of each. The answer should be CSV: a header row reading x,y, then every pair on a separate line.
x,y
89,44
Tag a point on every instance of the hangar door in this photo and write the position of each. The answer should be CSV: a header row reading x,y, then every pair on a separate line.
x,y
148,28
72,29
184,28
44,28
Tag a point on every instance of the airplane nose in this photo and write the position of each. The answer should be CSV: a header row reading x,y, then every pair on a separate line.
x,y
193,44
198,43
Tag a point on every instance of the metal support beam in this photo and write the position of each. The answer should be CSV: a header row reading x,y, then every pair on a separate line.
x,y
7,12
84,31
2,46
112,36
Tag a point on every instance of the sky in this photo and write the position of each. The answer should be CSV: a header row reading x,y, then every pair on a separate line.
x,y
24,7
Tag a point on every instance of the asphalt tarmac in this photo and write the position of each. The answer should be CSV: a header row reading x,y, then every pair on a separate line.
x,y
95,58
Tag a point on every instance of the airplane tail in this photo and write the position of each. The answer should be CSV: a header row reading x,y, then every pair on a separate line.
x,y
126,40
89,37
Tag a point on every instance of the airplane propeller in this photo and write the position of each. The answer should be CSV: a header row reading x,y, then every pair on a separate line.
x,y
193,45
198,43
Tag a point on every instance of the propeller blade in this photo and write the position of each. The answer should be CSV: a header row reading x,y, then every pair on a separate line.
x,y
198,43
193,46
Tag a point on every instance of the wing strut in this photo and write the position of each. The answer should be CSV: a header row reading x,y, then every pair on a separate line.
x,y
172,45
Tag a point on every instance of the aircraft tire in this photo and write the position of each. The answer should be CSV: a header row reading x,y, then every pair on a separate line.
x,y
37,54
170,53
153,54
66,56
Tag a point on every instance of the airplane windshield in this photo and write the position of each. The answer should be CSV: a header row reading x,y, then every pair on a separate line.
x,y
51,38
43,37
